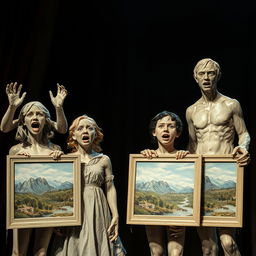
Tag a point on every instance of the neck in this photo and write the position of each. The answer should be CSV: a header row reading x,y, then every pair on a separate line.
x,y
35,139
210,96
85,151
165,149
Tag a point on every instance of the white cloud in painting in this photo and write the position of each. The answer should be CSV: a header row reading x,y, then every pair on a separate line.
x,y
224,171
50,171
176,174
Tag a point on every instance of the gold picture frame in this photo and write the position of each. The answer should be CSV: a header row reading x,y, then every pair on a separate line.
x,y
222,191
164,190
42,192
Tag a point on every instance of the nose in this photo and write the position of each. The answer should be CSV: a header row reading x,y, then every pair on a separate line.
x,y
165,128
34,116
85,130
206,76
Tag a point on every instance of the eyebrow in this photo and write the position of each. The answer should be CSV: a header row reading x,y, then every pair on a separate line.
x,y
37,111
172,122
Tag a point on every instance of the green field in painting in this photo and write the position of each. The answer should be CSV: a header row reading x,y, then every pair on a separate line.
x,y
151,203
29,205
219,199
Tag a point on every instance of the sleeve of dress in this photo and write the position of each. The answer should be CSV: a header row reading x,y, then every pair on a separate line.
x,y
109,178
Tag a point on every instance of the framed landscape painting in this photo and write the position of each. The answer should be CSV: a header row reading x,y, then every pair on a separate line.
x,y
164,190
42,192
222,192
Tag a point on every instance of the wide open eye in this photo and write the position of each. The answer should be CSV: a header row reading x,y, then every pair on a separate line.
x,y
91,128
79,128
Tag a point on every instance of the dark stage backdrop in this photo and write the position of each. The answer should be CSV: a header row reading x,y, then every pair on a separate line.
x,y
122,62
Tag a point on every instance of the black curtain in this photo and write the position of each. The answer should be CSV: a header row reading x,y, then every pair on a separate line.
x,y
122,62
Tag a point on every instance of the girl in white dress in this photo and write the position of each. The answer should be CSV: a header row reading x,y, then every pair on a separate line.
x,y
98,234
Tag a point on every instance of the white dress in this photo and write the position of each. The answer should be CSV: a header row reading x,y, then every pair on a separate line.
x,y
91,238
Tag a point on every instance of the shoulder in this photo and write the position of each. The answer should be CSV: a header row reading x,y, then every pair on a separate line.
x,y
15,149
192,107
190,110
233,104
106,160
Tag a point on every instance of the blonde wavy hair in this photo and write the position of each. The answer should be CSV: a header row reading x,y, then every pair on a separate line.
x,y
204,63
73,145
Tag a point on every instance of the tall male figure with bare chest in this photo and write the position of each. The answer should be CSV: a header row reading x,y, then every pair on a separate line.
x,y
213,122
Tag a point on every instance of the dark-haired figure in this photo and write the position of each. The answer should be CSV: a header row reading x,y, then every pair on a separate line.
x,y
13,92
213,121
34,133
165,127
98,234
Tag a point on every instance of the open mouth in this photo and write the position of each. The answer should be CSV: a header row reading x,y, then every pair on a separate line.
x,y
35,126
166,136
85,138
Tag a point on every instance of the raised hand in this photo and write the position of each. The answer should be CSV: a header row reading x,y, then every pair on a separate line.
x,y
60,97
13,94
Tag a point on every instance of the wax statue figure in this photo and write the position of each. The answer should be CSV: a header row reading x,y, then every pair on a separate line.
x,y
15,100
165,127
34,133
213,121
98,234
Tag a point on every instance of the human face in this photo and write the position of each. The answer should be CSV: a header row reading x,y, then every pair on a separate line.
x,y
206,77
35,120
85,133
166,131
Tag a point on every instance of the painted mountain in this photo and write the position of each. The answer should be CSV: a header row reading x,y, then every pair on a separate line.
x,y
61,185
161,187
40,185
215,183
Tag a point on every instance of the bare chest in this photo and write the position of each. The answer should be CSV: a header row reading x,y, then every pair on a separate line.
x,y
217,114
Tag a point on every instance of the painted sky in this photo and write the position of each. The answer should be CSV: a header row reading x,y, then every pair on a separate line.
x,y
178,174
223,171
51,171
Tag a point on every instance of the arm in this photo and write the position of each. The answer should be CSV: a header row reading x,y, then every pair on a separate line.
x,y
13,94
243,135
112,200
192,144
61,124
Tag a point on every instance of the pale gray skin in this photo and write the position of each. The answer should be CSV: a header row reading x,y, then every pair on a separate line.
x,y
165,133
37,146
13,91
213,121
87,128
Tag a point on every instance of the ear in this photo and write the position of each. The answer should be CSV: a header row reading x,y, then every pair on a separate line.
x,y
178,135
219,76
154,133
74,137
195,77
